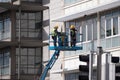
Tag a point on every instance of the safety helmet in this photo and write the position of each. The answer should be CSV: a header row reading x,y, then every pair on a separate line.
x,y
56,27
72,27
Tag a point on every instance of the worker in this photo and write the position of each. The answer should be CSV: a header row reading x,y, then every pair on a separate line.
x,y
55,35
73,35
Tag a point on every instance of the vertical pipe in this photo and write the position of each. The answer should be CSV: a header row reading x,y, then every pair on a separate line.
x,y
100,52
98,29
49,35
91,66
49,24
108,59
91,57
99,56
19,40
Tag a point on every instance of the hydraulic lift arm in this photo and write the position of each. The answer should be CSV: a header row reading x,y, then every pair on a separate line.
x,y
50,64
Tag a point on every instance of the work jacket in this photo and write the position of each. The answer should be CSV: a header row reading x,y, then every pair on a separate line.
x,y
54,32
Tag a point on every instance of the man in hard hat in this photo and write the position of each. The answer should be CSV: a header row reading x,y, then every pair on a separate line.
x,y
54,35
73,35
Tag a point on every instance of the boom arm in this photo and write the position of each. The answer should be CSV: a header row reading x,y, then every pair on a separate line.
x,y
50,64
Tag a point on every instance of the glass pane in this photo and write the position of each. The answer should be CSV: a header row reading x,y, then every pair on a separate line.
x,y
38,59
23,51
31,51
84,32
7,25
23,34
6,53
6,70
17,51
1,26
38,51
38,16
95,29
108,27
78,24
23,59
1,61
89,29
31,15
31,60
108,43
24,24
17,24
30,71
115,25
103,43
31,34
115,41
5,0
102,27
6,61
24,15
32,24
24,70
38,35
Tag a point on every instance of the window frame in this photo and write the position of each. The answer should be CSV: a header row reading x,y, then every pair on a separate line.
x,y
111,19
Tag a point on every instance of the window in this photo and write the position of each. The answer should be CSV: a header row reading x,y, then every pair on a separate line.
x,y
5,0
72,76
102,27
94,29
84,32
89,29
115,25
4,62
108,27
28,58
30,25
78,28
40,1
5,25
68,2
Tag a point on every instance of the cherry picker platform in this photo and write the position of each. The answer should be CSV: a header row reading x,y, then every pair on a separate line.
x,y
63,45
65,48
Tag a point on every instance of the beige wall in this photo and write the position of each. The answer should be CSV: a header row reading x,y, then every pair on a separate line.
x,y
56,9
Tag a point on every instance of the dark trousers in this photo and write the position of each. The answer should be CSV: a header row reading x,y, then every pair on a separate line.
x,y
73,41
54,40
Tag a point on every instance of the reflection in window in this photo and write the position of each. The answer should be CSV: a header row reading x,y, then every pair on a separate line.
x,y
1,26
108,27
89,29
102,27
31,25
72,76
115,25
68,2
5,24
4,62
84,32
94,29
28,60
5,0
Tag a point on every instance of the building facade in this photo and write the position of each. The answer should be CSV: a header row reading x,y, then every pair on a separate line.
x,y
97,20
21,44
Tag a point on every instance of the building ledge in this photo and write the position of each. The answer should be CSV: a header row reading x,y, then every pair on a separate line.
x,y
22,44
25,6
99,8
